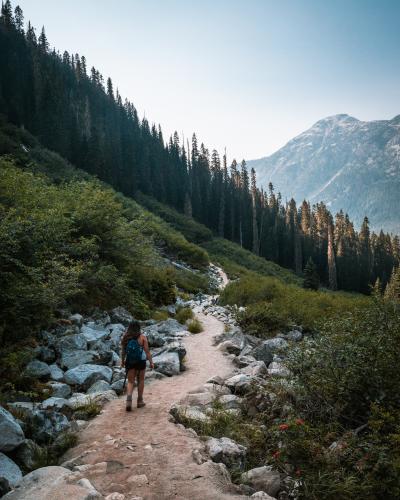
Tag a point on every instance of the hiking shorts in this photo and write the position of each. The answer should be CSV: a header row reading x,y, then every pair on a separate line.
x,y
140,365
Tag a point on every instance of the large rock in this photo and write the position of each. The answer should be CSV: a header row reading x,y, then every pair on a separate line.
x,y
177,347
58,404
47,425
71,343
227,451
184,414
167,363
26,454
229,347
37,369
76,319
99,386
71,359
9,470
239,383
103,351
154,337
56,373
53,483
170,327
263,478
266,350
93,332
45,354
255,369
116,332
231,402
11,434
59,390
100,398
278,369
261,495
121,315
85,375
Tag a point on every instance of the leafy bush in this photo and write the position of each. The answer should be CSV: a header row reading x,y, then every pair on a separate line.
x,y
183,314
195,326
87,410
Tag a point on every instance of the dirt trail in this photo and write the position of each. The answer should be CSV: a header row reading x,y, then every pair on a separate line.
x,y
145,442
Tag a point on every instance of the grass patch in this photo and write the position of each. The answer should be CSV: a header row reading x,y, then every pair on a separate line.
x,y
183,314
195,326
87,411
160,315
272,305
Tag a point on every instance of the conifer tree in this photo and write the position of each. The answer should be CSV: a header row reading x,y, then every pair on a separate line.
x,y
331,260
42,41
311,278
392,291
19,19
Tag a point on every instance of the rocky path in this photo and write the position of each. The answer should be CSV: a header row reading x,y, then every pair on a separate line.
x,y
142,454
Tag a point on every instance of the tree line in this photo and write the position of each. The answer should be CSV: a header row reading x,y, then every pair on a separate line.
x,y
82,116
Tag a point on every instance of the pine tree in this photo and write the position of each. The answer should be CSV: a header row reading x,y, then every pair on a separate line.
x,y
42,41
331,260
110,90
7,14
19,19
311,278
256,245
392,291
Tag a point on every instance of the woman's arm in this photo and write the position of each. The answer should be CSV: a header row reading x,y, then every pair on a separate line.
x,y
147,351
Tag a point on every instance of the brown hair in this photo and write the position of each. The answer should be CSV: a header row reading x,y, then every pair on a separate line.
x,y
133,332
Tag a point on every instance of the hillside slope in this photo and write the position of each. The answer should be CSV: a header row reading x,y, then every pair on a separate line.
x,y
347,163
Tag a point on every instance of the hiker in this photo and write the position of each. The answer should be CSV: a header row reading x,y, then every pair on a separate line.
x,y
134,352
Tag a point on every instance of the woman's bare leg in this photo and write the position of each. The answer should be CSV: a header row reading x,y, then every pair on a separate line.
x,y
131,386
141,386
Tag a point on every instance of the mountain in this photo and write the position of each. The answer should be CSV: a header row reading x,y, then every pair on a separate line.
x,y
347,163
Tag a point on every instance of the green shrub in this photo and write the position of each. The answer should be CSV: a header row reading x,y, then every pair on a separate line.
x,y
195,326
191,282
88,410
183,314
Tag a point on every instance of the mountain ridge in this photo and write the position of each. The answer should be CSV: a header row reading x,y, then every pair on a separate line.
x,y
347,163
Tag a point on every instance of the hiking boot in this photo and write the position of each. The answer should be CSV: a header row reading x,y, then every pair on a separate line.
x,y
128,403
140,403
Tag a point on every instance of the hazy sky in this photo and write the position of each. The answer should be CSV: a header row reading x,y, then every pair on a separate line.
x,y
247,75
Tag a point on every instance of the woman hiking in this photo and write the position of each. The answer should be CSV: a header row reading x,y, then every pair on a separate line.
x,y
134,352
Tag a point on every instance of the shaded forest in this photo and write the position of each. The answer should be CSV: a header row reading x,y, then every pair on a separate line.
x,y
78,113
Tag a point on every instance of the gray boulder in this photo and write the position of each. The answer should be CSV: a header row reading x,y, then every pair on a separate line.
x,y
71,343
116,332
263,478
100,398
170,327
11,434
231,402
229,347
278,369
121,315
239,383
256,369
184,414
294,335
56,373
47,425
25,455
53,482
45,354
103,351
154,337
85,375
99,386
117,386
9,470
265,351
167,363
93,332
227,451
243,361
58,404
177,347
37,369
71,359
76,319
59,390
261,495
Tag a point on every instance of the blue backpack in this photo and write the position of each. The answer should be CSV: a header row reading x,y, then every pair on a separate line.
x,y
134,353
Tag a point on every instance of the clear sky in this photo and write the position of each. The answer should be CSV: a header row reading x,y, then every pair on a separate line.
x,y
247,75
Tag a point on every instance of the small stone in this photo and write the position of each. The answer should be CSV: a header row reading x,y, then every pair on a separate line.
x,y
56,373
115,496
138,480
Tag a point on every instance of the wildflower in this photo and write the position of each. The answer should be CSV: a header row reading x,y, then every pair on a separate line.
x,y
283,427
276,454
300,421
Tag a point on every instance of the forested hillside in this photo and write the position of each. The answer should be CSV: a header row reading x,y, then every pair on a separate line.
x,y
74,112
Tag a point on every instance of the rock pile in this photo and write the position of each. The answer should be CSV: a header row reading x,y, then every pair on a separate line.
x,y
79,361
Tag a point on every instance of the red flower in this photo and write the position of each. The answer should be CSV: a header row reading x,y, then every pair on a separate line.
x,y
276,454
283,427
300,421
